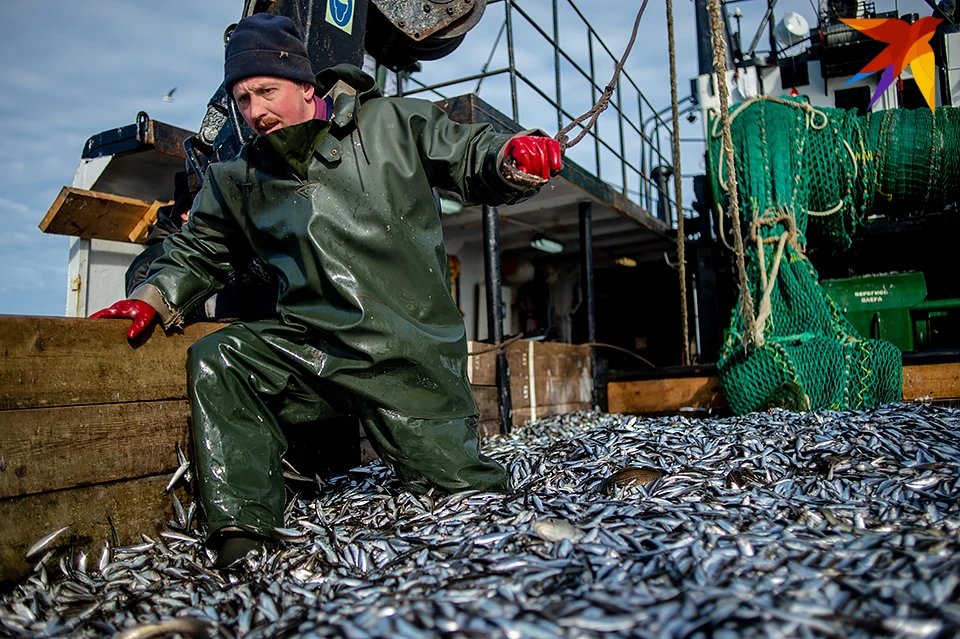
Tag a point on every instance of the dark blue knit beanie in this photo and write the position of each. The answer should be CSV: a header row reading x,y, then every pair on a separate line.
x,y
264,44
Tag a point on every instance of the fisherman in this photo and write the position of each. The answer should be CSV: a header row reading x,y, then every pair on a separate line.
x,y
335,195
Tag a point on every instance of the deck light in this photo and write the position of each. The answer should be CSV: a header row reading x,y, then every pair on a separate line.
x,y
450,207
543,243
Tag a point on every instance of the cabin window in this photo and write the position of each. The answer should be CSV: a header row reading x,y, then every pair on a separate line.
x,y
794,74
909,95
856,98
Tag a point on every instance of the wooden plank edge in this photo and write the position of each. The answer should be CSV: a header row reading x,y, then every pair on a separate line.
x,y
134,506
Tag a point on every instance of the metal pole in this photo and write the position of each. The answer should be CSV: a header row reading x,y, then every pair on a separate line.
x,y
512,62
644,178
763,23
491,267
586,283
593,99
556,63
623,148
704,43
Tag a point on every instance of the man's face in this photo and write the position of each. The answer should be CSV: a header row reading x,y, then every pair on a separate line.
x,y
268,103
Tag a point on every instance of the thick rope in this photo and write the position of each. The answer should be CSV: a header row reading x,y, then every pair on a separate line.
x,y
720,67
767,282
519,336
678,185
508,166
811,112
497,347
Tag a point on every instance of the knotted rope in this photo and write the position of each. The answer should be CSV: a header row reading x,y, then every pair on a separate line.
x,y
771,217
678,185
720,65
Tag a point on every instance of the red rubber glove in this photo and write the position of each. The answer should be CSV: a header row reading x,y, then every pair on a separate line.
x,y
140,312
539,156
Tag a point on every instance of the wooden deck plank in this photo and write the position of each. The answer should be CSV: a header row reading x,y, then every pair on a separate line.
x,y
656,396
46,449
135,506
934,381
48,362
482,368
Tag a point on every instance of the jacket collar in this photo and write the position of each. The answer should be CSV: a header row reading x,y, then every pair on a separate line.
x,y
350,88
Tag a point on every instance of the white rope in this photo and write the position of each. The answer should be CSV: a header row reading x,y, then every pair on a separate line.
x,y
839,205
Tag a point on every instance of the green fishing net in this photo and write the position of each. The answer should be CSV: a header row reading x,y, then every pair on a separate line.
x,y
815,174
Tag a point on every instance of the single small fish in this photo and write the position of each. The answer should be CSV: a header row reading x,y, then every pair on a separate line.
x,y
181,471
739,477
181,457
182,626
631,476
554,530
292,476
43,542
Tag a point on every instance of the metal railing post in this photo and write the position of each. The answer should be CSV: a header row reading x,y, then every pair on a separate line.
x,y
556,63
512,63
644,194
623,148
593,99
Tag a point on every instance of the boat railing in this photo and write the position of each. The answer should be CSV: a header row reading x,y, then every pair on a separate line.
x,y
624,153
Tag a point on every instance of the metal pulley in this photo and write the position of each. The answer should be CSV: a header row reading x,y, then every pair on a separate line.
x,y
401,32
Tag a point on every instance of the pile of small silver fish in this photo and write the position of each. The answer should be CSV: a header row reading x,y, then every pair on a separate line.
x,y
774,524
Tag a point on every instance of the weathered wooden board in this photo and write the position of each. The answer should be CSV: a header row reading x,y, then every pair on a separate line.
x,y
138,234
102,216
48,361
135,506
934,381
560,374
564,361
47,449
486,397
656,396
523,416
551,360
481,368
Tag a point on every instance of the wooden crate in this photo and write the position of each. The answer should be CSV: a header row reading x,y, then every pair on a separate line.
x,y
545,379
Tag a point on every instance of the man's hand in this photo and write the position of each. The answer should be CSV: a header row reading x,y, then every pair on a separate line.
x,y
140,312
539,156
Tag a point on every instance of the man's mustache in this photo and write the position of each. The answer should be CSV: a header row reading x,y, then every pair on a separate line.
x,y
266,124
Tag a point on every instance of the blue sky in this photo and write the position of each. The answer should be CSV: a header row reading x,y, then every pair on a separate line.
x,y
73,69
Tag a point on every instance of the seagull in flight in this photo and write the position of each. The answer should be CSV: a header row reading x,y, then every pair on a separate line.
x,y
169,96
909,44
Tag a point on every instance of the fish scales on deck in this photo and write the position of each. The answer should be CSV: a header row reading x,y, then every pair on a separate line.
x,y
773,524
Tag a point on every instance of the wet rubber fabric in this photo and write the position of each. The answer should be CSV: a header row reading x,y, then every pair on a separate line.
x,y
344,213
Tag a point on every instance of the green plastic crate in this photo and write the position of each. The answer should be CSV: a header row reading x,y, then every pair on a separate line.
x,y
879,306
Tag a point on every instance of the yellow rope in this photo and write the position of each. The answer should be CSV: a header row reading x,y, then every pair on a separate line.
x,y
678,185
720,66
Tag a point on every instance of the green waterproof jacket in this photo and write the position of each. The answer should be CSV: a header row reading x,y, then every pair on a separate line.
x,y
344,212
